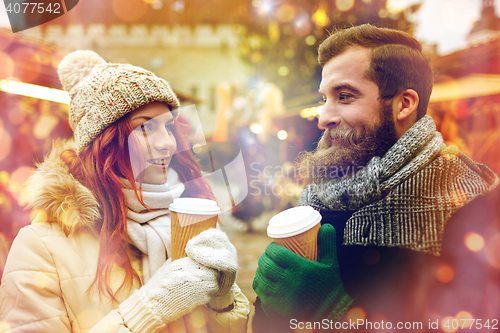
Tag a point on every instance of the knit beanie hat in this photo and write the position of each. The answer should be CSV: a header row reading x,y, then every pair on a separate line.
x,y
101,92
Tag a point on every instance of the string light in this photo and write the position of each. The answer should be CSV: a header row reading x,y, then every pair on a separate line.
x,y
35,91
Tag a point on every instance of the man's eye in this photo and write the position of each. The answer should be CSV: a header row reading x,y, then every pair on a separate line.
x,y
323,101
344,96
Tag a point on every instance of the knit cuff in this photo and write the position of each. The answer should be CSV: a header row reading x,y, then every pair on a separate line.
x,y
138,317
222,301
340,308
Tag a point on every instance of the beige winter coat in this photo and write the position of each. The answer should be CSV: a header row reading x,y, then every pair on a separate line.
x,y
53,262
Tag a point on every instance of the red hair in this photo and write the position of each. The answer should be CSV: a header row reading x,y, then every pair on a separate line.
x,y
100,166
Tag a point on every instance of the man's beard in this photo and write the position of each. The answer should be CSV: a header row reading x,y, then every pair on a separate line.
x,y
353,151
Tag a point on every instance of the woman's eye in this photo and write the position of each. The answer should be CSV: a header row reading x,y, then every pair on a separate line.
x,y
144,127
170,127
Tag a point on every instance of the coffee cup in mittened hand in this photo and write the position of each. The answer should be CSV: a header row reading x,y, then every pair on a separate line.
x,y
297,230
189,217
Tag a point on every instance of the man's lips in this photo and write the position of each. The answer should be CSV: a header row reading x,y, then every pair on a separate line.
x,y
334,143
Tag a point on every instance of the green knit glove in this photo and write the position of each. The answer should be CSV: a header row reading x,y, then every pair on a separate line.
x,y
289,285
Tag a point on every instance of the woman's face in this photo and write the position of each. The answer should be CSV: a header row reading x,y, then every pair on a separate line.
x,y
153,126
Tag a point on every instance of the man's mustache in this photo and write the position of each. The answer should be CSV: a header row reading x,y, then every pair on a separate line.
x,y
344,138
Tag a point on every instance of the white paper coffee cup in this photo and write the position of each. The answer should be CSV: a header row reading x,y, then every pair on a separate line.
x,y
189,217
297,230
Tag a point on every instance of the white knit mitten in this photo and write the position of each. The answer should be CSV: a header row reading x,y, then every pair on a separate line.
x,y
213,249
174,290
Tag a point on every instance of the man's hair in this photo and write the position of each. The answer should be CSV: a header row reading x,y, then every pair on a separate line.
x,y
397,61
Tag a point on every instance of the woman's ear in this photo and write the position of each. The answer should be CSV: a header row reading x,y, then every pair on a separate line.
x,y
408,107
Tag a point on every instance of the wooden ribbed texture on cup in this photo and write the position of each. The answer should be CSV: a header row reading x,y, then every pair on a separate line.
x,y
304,244
186,226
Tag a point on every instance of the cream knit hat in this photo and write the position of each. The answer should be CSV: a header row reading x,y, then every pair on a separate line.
x,y
101,92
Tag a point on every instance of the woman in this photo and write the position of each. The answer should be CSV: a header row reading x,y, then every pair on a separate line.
x,y
95,257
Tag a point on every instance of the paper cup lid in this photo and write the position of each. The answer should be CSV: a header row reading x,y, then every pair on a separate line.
x,y
293,221
195,206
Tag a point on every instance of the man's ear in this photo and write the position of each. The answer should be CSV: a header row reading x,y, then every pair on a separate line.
x,y
408,107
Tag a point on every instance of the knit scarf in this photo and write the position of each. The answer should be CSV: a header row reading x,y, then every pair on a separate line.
x,y
404,198
149,230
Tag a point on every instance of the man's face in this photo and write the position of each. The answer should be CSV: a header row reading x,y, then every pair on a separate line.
x,y
358,126
351,99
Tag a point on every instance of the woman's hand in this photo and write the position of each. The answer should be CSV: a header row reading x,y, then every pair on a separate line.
x,y
213,249
173,291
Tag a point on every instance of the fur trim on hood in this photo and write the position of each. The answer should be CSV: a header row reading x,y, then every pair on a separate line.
x,y
55,191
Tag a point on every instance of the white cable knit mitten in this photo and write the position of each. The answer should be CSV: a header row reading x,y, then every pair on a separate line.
x,y
213,249
174,290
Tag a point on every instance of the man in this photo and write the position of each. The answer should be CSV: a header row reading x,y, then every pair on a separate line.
x,y
382,177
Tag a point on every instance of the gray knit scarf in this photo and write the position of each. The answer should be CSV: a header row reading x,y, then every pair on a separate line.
x,y
406,197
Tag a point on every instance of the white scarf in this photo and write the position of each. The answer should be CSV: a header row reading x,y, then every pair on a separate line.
x,y
149,231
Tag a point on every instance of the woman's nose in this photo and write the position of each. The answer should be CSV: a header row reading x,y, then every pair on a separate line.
x,y
164,140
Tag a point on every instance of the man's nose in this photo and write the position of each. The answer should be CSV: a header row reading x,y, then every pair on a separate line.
x,y
329,117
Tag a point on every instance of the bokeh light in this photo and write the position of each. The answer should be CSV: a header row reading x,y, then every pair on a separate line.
x,y
197,148
493,251
282,135
283,70
395,6
70,217
312,112
39,215
157,5
310,40
4,326
445,273
344,5
356,313
255,42
320,17
465,316
273,31
129,10
383,13
302,27
4,177
256,57
6,141
178,6
17,179
6,66
256,128
474,241
286,13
